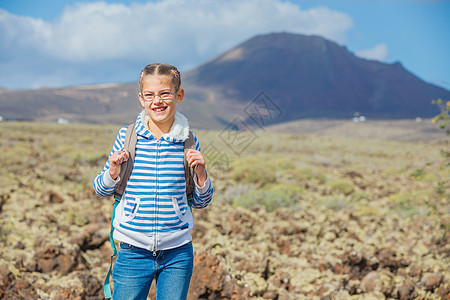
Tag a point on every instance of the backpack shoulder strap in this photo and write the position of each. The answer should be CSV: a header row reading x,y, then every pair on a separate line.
x,y
188,170
125,171
127,167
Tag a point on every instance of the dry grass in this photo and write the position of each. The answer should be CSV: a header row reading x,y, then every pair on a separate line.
x,y
321,183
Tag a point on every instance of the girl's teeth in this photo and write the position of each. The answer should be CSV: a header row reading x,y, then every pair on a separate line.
x,y
159,109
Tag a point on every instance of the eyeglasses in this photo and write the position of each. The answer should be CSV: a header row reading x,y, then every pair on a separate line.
x,y
161,95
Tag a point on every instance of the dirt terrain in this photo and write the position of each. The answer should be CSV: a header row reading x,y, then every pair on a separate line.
x,y
334,215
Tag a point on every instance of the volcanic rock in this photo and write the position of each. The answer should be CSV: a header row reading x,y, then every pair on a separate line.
x,y
431,281
406,291
211,281
53,258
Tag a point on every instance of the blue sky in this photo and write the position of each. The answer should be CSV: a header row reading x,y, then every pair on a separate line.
x,y
64,43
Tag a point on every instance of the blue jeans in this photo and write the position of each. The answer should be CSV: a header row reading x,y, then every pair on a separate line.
x,y
135,268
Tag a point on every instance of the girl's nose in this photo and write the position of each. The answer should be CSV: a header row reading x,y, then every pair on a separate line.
x,y
157,99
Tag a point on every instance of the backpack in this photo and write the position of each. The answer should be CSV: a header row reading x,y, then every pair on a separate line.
x,y
125,172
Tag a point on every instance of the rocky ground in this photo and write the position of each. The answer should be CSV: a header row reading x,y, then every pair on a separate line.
x,y
363,219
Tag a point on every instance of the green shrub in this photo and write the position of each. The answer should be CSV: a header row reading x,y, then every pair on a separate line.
x,y
411,203
17,153
418,173
343,186
272,197
335,203
308,173
360,195
229,193
253,170
284,163
367,211
410,198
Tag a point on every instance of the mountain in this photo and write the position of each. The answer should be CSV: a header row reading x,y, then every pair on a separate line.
x,y
311,77
107,103
299,77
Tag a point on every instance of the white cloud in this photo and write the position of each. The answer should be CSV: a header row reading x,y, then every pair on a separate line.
x,y
378,52
185,33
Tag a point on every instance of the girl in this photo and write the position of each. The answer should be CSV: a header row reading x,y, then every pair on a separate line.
x,y
153,219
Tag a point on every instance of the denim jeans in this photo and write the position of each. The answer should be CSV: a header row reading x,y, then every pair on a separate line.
x,y
135,268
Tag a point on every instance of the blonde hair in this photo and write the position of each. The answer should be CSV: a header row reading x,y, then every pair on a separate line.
x,y
161,69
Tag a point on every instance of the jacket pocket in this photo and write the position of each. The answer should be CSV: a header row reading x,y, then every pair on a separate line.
x,y
180,206
131,208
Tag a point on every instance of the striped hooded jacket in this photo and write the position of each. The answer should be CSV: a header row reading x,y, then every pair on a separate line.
x,y
153,213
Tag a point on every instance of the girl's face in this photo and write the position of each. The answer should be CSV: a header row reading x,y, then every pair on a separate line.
x,y
161,111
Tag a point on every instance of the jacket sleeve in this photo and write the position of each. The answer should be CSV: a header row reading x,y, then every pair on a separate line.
x,y
202,194
103,183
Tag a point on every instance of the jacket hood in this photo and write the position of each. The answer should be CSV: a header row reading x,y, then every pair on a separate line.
x,y
178,133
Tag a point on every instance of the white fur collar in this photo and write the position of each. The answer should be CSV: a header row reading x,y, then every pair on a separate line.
x,y
179,130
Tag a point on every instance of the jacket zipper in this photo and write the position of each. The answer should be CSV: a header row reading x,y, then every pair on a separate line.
x,y
156,198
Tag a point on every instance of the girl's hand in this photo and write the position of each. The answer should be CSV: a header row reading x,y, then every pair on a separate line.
x,y
115,161
195,159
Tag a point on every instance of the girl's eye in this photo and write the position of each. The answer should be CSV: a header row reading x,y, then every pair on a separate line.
x,y
164,94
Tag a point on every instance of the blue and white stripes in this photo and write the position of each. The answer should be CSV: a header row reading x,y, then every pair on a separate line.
x,y
154,202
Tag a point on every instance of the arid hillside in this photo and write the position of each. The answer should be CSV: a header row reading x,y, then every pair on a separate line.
x,y
294,215
305,77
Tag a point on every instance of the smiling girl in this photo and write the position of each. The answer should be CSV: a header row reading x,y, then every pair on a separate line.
x,y
153,219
